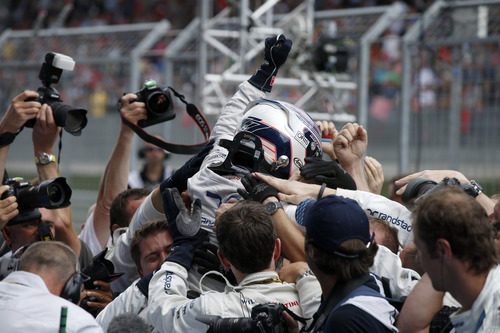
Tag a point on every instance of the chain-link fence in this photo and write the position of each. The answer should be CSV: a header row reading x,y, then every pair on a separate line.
x,y
451,94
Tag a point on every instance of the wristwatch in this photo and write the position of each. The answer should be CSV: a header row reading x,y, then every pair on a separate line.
x,y
273,206
44,159
474,189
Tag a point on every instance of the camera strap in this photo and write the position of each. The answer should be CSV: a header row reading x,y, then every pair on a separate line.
x,y
176,148
339,292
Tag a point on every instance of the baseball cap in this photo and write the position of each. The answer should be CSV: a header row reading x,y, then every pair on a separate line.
x,y
333,220
25,216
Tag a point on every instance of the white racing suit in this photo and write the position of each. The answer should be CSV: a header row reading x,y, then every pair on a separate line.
x,y
206,185
484,316
378,206
132,300
169,310
119,254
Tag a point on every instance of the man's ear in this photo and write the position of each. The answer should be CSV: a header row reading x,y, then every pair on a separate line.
x,y
7,235
223,260
277,249
443,248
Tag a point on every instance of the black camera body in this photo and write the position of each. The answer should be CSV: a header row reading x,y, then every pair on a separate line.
x,y
101,269
72,119
52,193
159,105
420,187
264,318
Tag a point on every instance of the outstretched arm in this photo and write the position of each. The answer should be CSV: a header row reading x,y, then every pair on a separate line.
x,y
13,121
438,175
115,177
45,132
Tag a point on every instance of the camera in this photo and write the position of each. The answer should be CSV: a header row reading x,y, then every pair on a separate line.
x,y
159,106
101,269
264,318
420,187
72,119
51,194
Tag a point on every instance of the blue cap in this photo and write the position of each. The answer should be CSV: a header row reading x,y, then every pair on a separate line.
x,y
333,220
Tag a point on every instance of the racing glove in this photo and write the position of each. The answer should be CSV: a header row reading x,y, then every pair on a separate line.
x,y
328,172
206,260
275,53
180,177
256,189
184,227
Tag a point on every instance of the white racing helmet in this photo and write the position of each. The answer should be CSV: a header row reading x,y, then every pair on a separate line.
x,y
288,134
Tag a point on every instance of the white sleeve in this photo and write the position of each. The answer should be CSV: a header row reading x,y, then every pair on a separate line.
x,y
385,209
309,291
131,300
89,237
169,309
388,265
119,254
232,113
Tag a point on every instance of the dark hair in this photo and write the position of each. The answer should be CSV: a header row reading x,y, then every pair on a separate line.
x,y
392,188
246,236
391,240
451,214
128,322
118,211
344,269
150,228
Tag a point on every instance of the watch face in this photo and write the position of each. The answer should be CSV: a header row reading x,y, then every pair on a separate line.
x,y
273,206
44,159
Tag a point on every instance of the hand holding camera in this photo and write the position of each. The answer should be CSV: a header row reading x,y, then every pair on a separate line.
x,y
132,109
72,119
45,131
20,111
8,207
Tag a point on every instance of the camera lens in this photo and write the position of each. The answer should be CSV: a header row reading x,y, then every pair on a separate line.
x,y
158,102
55,194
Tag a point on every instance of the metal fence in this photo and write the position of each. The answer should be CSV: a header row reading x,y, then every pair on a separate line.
x,y
450,92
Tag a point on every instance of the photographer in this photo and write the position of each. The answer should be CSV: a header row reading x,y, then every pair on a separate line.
x,y
248,246
31,298
99,226
153,171
26,227
13,121
438,175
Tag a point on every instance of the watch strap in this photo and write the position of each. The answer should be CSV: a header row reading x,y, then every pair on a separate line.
x,y
273,206
44,159
477,189
7,138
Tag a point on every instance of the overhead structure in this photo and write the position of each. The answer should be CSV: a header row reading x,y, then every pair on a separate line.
x,y
229,49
